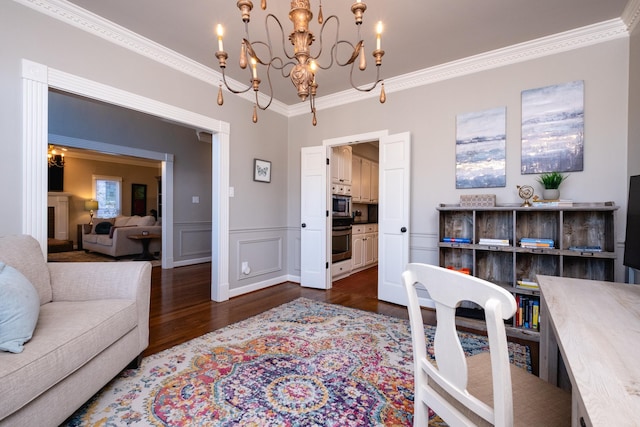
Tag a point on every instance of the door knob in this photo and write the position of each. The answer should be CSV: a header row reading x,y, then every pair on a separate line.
x,y
304,225
403,230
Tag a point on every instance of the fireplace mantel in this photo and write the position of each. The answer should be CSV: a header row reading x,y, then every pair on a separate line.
x,y
60,203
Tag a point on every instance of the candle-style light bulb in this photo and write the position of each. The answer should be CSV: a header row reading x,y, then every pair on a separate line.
x,y
243,56
314,67
254,69
220,32
379,33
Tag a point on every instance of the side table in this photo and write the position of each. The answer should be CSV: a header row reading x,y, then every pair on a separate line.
x,y
145,239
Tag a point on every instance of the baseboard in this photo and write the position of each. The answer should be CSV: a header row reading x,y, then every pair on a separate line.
x,y
257,286
185,262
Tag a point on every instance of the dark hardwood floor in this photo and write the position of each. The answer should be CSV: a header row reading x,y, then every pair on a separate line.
x,y
181,306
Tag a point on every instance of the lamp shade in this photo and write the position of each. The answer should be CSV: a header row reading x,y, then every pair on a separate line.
x,y
90,205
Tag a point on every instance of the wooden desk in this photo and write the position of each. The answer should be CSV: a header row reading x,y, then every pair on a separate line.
x,y
145,239
596,327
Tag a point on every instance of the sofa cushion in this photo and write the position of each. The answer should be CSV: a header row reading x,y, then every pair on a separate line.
x,y
98,221
67,336
103,227
19,308
141,220
24,253
121,220
90,238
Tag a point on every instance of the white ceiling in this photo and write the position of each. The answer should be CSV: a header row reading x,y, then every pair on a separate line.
x,y
418,34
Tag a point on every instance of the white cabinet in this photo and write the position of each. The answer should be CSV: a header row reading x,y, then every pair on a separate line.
x,y
356,167
341,165
364,249
364,180
357,251
375,172
340,269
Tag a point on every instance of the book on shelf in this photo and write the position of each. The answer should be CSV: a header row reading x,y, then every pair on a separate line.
x,y
496,242
528,312
529,242
527,284
456,240
561,203
535,240
586,248
536,245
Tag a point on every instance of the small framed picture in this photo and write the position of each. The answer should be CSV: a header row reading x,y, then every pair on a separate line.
x,y
261,170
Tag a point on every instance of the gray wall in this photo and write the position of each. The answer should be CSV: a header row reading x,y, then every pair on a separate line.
x,y
265,218
256,209
429,114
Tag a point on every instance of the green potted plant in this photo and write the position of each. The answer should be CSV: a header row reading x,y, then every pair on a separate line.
x,y
551,182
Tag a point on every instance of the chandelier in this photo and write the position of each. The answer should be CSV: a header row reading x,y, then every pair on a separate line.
x,y
55,158
300,66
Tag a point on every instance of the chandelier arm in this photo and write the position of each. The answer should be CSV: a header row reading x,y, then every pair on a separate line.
x,y
365,89
321,36
281,66
282,35
230,89
270,91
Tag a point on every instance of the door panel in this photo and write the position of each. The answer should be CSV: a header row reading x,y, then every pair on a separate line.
x,y
313,215
393,216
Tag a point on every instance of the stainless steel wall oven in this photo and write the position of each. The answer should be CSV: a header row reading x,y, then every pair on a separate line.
x,y
341,239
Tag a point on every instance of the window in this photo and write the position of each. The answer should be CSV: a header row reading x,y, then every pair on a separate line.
x,y
107,191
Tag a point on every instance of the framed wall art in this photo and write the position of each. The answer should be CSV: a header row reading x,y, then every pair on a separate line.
x,y
138,199
261,170
481,149
553,128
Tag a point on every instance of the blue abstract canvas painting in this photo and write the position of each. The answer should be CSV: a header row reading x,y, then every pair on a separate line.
x,y
481,149
553,128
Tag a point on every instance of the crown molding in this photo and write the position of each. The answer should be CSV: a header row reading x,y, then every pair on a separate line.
x,y
545,46
78,17
631,15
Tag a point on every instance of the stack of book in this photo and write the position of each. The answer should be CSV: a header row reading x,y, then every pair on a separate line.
x,y
527,284
528,312
494,242
527,242
560,203
456,240
586,248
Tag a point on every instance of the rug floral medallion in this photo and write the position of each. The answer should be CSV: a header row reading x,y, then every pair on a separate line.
x,y
305,363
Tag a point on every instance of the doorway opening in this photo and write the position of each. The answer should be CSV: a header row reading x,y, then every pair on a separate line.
x,y
38,79
354,182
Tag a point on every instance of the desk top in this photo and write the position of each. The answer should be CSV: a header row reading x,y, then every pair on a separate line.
x,y
597,326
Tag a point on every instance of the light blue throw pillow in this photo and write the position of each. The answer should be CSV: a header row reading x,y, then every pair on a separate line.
x,y
19,309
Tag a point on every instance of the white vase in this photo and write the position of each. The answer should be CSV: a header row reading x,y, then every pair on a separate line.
x,y
549,194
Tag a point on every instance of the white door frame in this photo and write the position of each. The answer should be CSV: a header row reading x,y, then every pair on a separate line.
x,y
36,81
346,140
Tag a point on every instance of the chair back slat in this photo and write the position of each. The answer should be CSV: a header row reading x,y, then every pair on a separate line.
x,y
448,289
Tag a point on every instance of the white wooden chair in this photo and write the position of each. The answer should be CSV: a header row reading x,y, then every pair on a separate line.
x,y
484,389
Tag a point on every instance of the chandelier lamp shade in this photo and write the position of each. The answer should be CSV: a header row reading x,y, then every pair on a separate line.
x,y
90,205
299,64
55,158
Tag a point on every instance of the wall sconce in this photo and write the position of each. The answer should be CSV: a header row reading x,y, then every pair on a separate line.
x,y
91,205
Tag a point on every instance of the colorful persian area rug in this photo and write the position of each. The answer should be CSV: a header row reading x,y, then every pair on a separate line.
x,y
305,363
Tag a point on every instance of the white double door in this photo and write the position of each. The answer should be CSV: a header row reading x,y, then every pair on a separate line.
x,y
393,217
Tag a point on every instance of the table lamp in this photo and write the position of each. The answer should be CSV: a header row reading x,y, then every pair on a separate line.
x,y
91,205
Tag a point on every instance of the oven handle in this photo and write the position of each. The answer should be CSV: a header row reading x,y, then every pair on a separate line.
x,y
341,228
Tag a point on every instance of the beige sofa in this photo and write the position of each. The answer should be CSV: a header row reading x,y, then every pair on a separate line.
x,y
116,242
93,321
